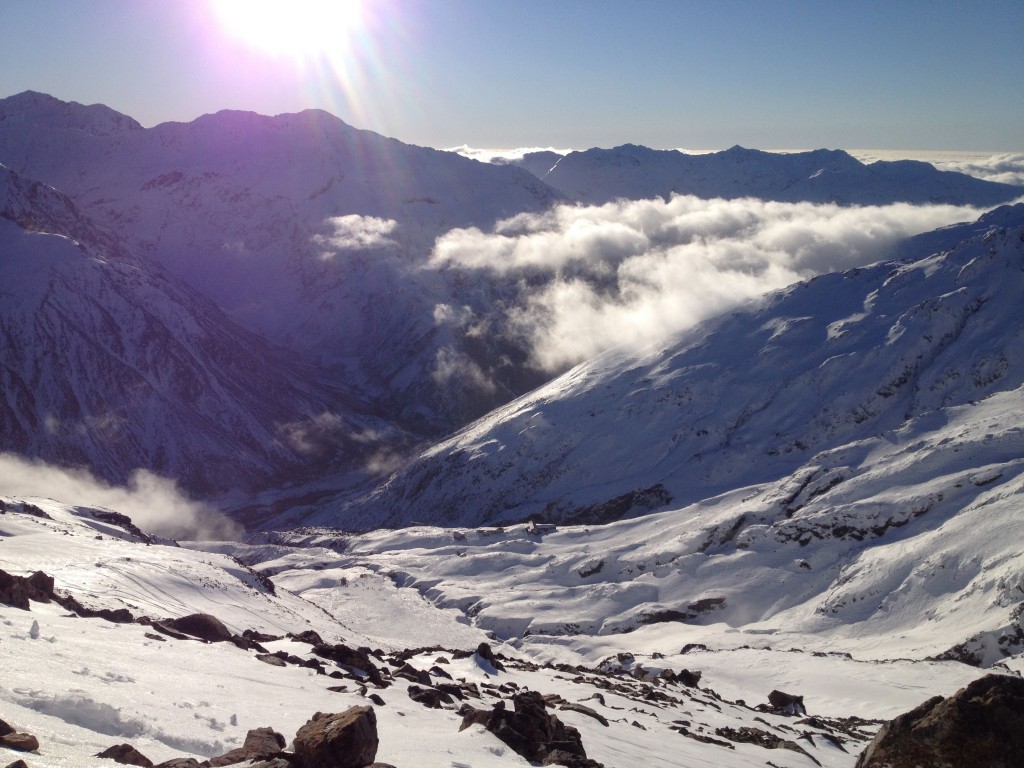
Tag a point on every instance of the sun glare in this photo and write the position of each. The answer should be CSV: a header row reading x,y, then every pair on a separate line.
x,y
296,28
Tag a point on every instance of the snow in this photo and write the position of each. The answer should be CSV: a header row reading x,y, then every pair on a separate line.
x,y
83,684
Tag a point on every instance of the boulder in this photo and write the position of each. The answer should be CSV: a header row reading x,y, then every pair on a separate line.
x,y
126,754
20,742
787,703
484,652
259,744
981,725
18,764
342,740
201,625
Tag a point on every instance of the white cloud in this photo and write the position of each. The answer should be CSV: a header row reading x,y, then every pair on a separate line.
x,y
501,155
154,503
631,272
1005,168
354,232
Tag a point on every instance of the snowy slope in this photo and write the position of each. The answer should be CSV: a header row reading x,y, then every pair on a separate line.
x,y
109,363
81,685
746,398
636,173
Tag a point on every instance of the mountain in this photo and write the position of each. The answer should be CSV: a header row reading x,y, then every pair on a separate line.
x,y
299,227
597,176
110,363
743,399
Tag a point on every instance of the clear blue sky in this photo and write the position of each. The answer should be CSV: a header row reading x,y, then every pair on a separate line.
x,y
703,75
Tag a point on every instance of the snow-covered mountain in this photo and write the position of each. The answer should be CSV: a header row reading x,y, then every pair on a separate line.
x,y
743,399
636,173
112,364
299,227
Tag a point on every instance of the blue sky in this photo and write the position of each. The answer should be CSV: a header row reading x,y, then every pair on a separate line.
x,y
564,73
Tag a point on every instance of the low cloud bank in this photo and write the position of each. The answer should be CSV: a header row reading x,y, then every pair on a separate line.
x,y
1006,168
501,155
632,272
154,503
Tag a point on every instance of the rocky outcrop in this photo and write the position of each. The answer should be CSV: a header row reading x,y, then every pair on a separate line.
x,y
16,591
979,726
343,740
531,732
351,658
125,754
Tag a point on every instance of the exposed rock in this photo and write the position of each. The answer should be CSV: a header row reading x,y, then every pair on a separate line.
x,y
259,637
484,652
260,744
21,742
163,628
179,762
5,728
126,754
343,740
979,726
531,732
309,636
787,703
431,698
357,659
201,625
584,710
761,738
271,659
18,764
16,591
410,673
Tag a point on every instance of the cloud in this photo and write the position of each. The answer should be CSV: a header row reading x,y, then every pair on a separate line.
x,y
631,272
1005,168
453,368
356,233
154,503
501,155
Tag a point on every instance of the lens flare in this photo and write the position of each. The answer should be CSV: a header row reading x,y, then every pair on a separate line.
x,y
295,28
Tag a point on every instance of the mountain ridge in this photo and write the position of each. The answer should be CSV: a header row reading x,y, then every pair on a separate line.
x,y
597,176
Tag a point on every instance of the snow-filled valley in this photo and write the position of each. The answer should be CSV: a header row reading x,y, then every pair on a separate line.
x,y
81,685
722,455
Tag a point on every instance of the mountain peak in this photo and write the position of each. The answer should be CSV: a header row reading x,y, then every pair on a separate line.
x,y
35,108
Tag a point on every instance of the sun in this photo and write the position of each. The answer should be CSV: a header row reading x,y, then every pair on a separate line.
x,y
295,28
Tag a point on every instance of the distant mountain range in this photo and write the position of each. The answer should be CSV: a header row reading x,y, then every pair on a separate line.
x,y
598,176
244,301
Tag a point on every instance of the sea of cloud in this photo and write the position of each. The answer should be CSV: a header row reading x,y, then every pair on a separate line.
x,y
632,272
154,503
